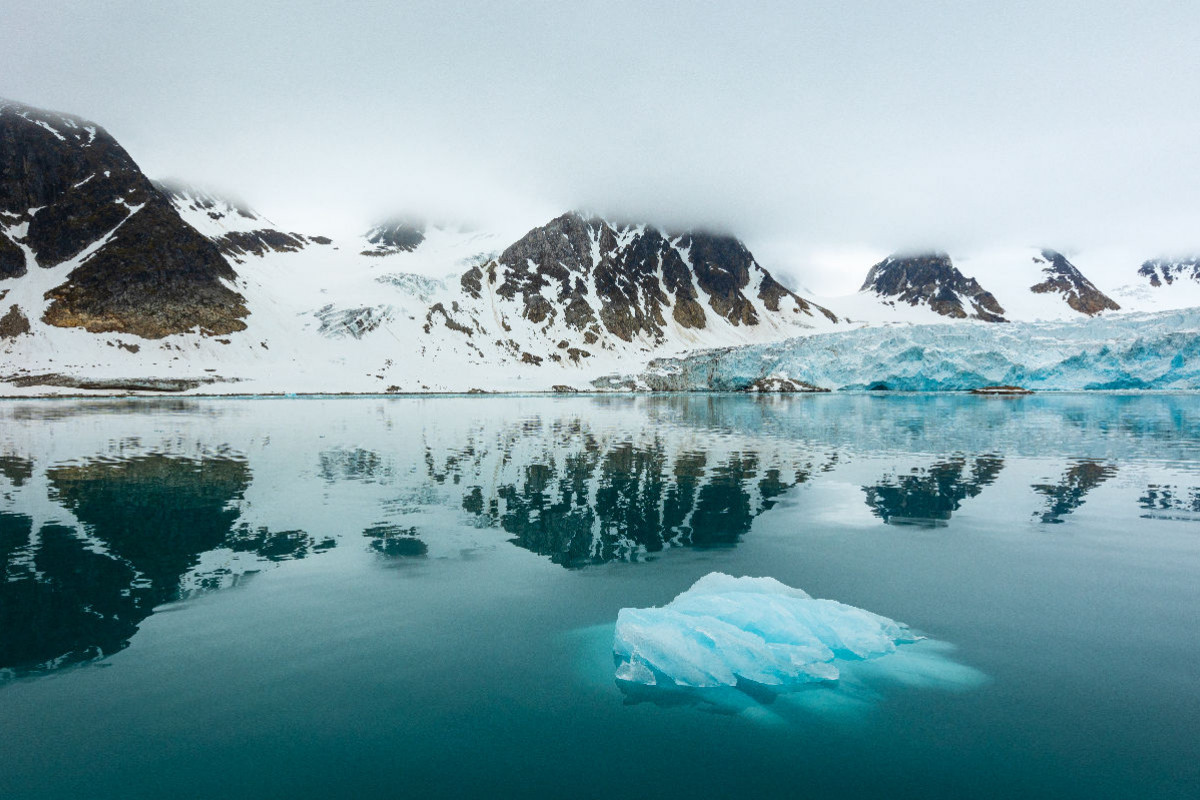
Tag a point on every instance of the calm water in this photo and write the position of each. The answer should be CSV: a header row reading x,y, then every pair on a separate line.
x,y
415,597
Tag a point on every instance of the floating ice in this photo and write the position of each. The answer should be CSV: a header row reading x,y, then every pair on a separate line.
x,y
724,630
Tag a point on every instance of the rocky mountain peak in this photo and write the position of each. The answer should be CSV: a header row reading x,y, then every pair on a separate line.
x,y
70,193
1064,278
628,281
931,279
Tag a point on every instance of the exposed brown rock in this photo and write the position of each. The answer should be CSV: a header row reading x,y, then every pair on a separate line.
x,y
13,324
472,282
154,277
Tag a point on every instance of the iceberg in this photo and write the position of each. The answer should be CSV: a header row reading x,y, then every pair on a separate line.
x,y
726,630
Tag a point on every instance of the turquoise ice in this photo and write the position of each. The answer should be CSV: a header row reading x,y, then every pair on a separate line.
x,y
725,629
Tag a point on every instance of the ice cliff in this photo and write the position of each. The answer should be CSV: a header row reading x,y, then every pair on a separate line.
x,y
1133,351
724,629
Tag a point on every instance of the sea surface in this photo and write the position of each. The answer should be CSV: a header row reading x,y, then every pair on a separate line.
x,y
415,597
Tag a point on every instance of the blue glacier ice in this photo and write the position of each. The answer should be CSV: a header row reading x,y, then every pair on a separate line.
x,y
724,630
1128,351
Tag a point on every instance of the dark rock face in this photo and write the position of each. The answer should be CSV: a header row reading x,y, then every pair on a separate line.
x,y
1063,277
932,279
151,274
1163,270
395,236
72,170
12,259
624,280
155,277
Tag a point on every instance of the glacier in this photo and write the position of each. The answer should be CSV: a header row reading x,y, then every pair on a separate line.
x,y
725,630
1128,351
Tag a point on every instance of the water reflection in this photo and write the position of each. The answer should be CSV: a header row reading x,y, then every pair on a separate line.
x,y
629,500
74,593
110,509
928,496
1068,494
1171,502
395,542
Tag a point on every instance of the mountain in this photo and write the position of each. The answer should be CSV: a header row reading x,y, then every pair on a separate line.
x,y
932,280
612,285
87,231
395,236
1161,271
112,282
1064,278
179,288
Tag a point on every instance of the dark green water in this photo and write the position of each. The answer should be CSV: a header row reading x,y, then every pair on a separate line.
x,y
414,597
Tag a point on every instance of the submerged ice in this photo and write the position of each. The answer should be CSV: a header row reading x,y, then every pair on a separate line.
x,y
724,630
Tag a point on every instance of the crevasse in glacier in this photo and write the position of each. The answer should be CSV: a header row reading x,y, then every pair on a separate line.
x,y
1130,351
724,630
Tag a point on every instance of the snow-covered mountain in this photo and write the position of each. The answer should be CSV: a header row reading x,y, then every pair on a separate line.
x,y
111,282
114,282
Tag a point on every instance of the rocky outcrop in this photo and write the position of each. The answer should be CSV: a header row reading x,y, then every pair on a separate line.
x,y
1160,271
146,271
258,242
1064,278
13,324
932,280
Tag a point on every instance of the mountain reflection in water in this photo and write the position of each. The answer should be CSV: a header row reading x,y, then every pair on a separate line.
x,y
111,510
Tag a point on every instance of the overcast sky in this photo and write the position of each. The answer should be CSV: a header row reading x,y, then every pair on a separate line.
x,y
814,128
